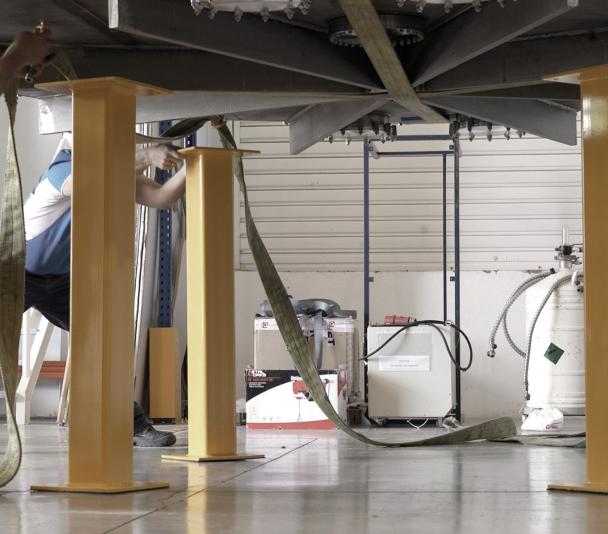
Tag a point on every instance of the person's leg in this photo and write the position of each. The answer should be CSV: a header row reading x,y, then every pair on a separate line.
x,y
145,435
51,297
54,300
140,421
34,290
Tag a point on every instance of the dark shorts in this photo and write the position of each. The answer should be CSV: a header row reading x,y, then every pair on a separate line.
x,y
50,295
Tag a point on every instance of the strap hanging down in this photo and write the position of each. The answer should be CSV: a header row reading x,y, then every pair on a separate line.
x,y
297,346
12,288
12,276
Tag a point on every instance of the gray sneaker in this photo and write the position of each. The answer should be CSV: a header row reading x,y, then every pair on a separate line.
x,y
150,437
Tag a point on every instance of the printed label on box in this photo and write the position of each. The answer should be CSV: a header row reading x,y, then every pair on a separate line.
x,y
404,363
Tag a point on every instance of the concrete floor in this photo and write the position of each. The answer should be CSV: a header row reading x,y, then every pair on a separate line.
x,y
314,482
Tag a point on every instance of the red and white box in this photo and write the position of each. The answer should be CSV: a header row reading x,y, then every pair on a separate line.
x,y
279,399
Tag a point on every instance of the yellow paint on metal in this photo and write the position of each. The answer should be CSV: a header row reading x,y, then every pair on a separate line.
x,y
210,307
165,374
594,99
102,279
107,490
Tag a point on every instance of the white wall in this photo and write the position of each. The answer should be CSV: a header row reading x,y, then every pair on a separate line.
x,y
34,150
492,387
514,197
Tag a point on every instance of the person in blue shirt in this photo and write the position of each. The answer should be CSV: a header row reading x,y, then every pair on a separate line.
x,y
47,213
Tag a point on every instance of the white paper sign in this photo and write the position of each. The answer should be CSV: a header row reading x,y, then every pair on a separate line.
x,y
404,363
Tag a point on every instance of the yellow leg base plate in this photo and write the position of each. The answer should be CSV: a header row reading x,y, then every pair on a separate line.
x,y
92,488
226,458
582,488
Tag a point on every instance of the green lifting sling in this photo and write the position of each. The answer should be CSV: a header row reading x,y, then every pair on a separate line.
x,y
12,288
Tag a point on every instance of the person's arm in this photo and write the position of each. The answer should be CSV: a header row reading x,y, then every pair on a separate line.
x,y
152,194
162,157
27,50
147,191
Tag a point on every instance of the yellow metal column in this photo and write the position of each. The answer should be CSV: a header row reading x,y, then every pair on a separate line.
x,y
164,376
210,273
594,97
102,278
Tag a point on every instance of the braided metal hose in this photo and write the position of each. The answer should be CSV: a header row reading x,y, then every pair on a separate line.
x,y
502,318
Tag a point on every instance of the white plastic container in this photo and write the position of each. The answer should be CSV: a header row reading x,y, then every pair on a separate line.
x,y
561,323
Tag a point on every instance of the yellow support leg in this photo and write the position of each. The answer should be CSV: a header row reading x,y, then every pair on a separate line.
x,y
594,96
164,374
210,268
103,202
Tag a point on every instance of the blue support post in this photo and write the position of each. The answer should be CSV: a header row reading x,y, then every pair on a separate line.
x,y
366,279
457,273
165,316
165,267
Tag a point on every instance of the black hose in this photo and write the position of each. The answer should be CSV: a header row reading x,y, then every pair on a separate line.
x,y
432,323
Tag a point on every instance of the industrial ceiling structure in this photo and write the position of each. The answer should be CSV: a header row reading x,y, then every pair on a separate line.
x,y
326,66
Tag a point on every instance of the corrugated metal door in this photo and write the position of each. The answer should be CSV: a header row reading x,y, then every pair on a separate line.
x,y
515,196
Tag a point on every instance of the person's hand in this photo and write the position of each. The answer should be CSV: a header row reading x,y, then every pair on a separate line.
x,y
163,157
27,50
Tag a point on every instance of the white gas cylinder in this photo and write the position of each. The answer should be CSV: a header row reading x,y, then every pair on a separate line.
x,y
559,383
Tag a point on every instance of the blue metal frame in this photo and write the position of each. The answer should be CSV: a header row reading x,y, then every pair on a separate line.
x,y
165,228
453,151
423,138
457,272
416,153
444,202
366,150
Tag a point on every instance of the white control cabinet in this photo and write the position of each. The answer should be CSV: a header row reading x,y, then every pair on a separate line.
x,y
412,377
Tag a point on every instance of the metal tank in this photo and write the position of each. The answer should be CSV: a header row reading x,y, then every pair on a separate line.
x,y
556,372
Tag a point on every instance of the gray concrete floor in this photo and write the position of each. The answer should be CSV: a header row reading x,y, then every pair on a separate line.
x,y
314,482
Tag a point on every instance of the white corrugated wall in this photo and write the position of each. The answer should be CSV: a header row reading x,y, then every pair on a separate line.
x,y
515,196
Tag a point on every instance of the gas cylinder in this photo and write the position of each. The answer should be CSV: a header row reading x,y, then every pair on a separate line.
x,y
557,366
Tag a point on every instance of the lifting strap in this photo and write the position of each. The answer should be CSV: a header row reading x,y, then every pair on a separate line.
x,y
12,275
12,289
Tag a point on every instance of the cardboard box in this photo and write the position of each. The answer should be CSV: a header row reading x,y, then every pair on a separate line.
x,y
340,346
279,399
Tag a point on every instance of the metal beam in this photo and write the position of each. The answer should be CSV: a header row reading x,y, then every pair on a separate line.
x,y
55,113
94,20
532,116
554,91
372,35
324,119
473,34
271,43
190,70
525,62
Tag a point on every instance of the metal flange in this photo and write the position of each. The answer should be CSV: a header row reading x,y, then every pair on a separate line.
x,y
402,29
